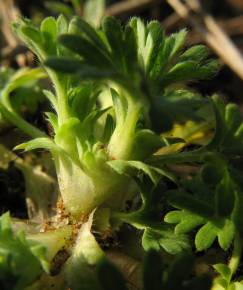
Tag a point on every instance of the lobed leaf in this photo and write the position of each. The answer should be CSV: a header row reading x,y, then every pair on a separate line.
x,y
166,239
37,143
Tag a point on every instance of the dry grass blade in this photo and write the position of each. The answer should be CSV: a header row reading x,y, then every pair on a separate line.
x,y
8,13
232,27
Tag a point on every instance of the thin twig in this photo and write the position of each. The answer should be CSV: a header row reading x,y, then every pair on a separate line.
x,y
130,6
211,32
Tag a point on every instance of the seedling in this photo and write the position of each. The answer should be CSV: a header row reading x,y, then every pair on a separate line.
x,y
118,93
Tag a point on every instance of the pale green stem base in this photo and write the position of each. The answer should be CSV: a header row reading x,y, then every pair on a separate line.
x,y
121,143
236,255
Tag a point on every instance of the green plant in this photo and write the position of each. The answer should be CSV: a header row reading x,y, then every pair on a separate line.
x,y
17,86
92,10
118,94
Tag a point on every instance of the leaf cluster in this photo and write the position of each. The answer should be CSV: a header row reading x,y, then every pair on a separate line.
x,y
140,59
210,202
115,92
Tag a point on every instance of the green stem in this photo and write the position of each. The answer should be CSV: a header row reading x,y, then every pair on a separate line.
x,y
20,123
13,117
120,146
236,255
61,93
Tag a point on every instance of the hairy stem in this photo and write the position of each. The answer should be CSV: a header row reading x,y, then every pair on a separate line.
x,y
236,255
120,146
61,93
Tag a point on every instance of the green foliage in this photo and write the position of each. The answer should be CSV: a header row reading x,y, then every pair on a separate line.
x,y
16,87
141,59
117,91
228,131
165,238
146,47
21,262
226,272
92,10
211,200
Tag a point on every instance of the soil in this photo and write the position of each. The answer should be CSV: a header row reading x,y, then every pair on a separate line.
x,y
12,192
